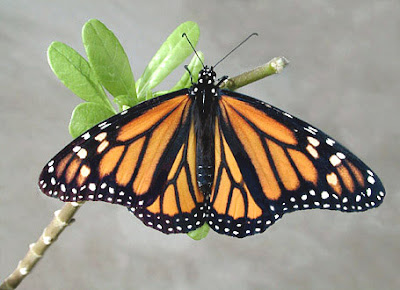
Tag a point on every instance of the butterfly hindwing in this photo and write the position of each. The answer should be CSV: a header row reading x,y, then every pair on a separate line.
x,y
269,163
233,210
136,158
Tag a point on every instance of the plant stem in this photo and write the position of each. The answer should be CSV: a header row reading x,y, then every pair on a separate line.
x,y
63,217
274,66
61,220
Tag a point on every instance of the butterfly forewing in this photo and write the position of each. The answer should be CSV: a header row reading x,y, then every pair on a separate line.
x,y
141,158
269,163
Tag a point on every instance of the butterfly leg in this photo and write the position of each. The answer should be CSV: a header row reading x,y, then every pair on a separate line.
x,y
190,73
221,80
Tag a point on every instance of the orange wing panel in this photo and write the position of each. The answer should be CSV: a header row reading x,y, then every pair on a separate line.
x,y
155,148
62,164
170,205
357,173
110,160
254,148
269,125
128,164
72,169
304,165
220,198
185,198
285,169
148,119
346,177
237,206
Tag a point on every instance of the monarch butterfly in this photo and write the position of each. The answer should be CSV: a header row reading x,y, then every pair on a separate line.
x,y
208,155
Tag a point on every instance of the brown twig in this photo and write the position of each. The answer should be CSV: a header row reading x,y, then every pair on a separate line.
x,y
274,66
61,220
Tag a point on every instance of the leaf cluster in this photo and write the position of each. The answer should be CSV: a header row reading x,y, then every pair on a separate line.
x,y
107,73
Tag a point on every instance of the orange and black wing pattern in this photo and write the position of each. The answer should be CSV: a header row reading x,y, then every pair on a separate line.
x,y
268,163
143,158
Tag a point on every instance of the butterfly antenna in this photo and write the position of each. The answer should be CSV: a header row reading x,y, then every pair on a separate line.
x,y
187,38
236,47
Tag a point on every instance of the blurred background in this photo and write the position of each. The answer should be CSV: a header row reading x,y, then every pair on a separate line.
x,y
343,77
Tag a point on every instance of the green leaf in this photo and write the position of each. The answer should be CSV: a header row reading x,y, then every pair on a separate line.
x,y
157,94
85,116
171,54
108,59
200,233
124,100
75,73
194,67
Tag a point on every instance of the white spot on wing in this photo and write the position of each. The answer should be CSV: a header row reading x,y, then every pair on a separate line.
x,y
370,179
340,155
311,130
324,195
100,137
330,142
312,151
314,142
334,160
103,145
288,115
76,148
82,154
332,178
86,136
85,171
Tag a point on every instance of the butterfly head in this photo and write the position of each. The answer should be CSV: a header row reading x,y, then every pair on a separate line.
x,y
207,76
206,82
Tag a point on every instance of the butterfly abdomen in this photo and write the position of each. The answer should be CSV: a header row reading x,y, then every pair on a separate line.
x,y
205,155
205,108
205,176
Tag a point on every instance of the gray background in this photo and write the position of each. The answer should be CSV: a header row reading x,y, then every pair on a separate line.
x,y
343,77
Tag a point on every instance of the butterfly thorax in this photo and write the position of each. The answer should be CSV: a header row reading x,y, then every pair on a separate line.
x,y
205,94
205,91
